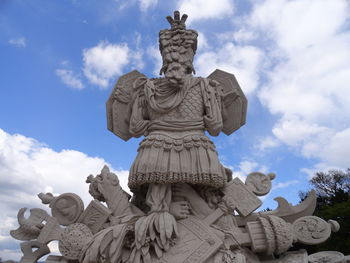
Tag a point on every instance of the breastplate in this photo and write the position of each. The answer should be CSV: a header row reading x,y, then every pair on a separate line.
x,y
191,108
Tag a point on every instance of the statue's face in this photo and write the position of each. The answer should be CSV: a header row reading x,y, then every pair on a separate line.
x,y
175,73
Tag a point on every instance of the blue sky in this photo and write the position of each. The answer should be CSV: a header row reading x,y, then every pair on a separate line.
x,y
60,59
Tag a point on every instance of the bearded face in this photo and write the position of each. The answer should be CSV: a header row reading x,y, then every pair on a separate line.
x,y
176,73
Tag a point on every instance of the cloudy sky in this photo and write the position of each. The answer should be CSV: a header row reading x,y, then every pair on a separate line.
x,y
60,59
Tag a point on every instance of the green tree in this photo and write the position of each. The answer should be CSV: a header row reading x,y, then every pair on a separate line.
x,y
333,202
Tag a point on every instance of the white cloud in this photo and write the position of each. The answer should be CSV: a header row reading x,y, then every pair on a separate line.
x,y
267,143
104,62
154,54
18,42
243,61
302,23
243,35
246,167
202,41
136,54
297,132
65,63
9,254
209,9
286,184
70,79
28,167
146,4
337,151
308,83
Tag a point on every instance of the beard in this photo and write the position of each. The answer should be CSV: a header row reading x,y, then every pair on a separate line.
x,y
176,78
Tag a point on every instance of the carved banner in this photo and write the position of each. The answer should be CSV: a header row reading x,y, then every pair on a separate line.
x,y
196,243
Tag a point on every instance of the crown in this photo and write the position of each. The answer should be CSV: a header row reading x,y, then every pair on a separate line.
x,y
176,22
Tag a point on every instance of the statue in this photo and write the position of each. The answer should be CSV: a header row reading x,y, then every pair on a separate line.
x,y
173,114
186,206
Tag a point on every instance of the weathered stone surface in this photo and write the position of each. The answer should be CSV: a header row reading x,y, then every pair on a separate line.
x,y
311,230
234,101
195,244
241,197
259,183
51,231
95,216
73,240
118,104
327,257
55,259
32,251
67,208
29,227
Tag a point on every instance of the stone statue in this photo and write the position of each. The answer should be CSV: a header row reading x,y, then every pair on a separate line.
x,y
186,206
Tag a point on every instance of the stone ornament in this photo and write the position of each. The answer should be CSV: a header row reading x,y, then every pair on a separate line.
x,y
196,243
259,183
327,257
95,216
55,259
234,101
32,251
67,208
51,231
186,207
311,230
270,234
118,103
73,240
29,227
238,195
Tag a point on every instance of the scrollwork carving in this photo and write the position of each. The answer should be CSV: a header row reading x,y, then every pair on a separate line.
x,y
311,230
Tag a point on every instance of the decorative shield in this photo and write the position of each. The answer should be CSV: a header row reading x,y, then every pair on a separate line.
x,y
118,104
234,101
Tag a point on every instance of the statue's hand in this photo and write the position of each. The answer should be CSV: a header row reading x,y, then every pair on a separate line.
x,y
180,209
183,191
198,206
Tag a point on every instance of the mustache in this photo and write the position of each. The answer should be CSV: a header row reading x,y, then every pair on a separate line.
x,y
175,78
175,82
175,75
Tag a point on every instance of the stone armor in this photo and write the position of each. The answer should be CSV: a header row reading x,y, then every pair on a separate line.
x,y
176,149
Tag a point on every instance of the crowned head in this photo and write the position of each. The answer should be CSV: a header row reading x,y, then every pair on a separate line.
x,y
178,44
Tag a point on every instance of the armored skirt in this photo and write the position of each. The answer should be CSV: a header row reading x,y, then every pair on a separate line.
x,y
191,158
175,148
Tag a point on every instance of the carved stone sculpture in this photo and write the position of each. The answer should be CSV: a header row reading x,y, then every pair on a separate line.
x,y
186,206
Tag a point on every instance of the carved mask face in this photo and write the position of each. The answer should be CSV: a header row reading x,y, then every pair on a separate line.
x,y
212,197
175,73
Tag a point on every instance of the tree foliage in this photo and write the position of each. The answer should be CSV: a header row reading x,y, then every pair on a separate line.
x,y
333,202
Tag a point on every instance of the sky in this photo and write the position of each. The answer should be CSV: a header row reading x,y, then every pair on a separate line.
x,y
60,59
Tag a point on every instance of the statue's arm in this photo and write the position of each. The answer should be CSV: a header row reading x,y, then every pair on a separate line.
x,y
212,107
138,120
